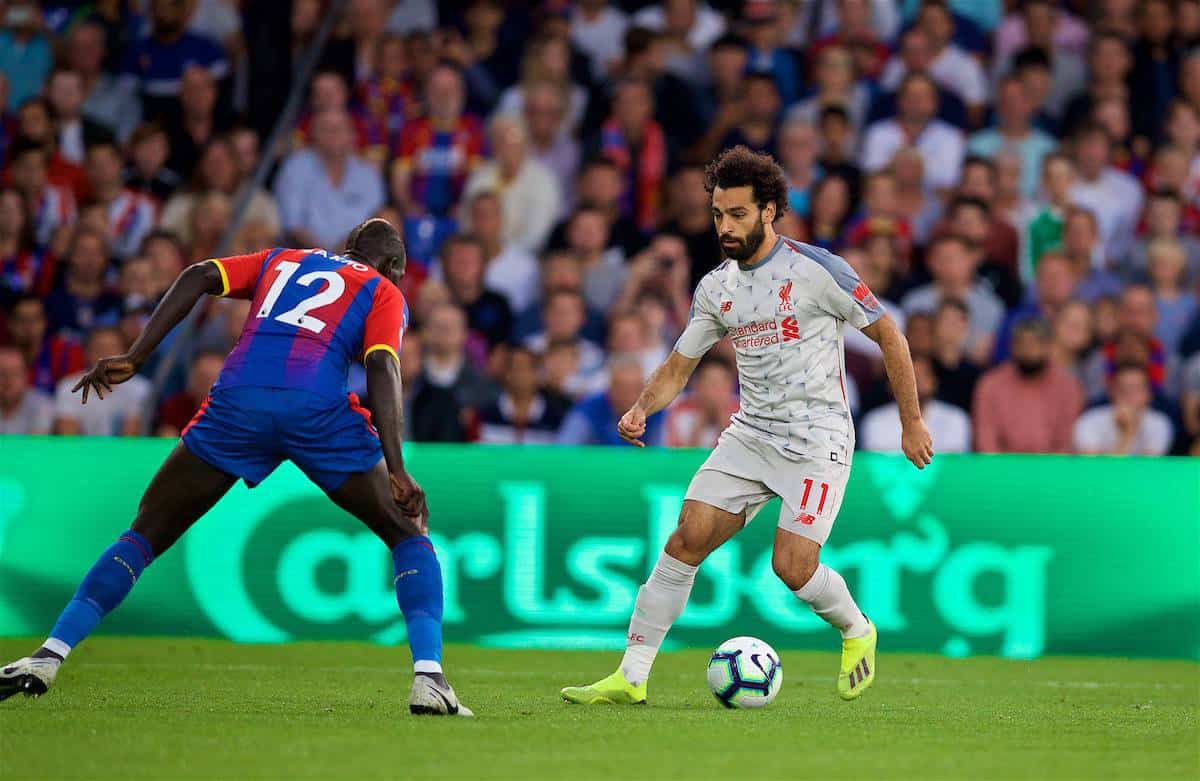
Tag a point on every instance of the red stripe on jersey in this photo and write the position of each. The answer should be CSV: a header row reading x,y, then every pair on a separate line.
x,y
356,406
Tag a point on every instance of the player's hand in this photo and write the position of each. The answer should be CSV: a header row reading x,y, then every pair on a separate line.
x,y
409,496
632,426
106,373
917,444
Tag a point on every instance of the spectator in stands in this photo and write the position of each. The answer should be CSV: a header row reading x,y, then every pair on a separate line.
x,y
598,30
1054,286
857,34
23,409
564,314
326,190
1135,340
719,98
916,124
108,99
159,60
528,190
550,142
1045,229
632,139
24,267
218,171
881,216
74,132
836,85
1177,306
949,65
953,262
1163,217
25,53
547,63
1111,194
917,206
838,144
147,171
36,124
691,220
209,221
52,207
604,268
769,53
437,152
664,271
463,262
690,25
1109,65
449,390
177,410
195,123
831,204
1156,59
758,120
599,187
329,92
1027,404
1085,253
524,413
629,334
510,269
949,425
593,421
49,356
698,419
1126,425
166,257
559,271
125,405
1189,402
1014,130
1073,337
956,374
131,215
798,150
82,301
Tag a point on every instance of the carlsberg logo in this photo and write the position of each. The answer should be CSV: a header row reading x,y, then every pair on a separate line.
x,y
505,587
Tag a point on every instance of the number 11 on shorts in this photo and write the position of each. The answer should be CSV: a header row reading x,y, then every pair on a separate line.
x,y
805,516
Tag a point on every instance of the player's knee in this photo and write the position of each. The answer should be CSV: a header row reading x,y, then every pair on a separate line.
x,y
795,566
688,544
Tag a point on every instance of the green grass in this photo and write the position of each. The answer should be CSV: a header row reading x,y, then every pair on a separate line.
x,y
197,709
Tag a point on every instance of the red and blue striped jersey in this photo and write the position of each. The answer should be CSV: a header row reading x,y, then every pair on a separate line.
x,y
312,312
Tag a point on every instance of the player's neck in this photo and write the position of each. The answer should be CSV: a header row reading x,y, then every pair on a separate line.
x,y
770,239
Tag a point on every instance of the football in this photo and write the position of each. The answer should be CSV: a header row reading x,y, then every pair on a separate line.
x,y
745,672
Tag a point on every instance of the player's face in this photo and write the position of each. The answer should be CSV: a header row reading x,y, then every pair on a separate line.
x,y
740,224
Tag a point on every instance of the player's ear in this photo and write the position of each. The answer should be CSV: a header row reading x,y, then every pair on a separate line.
x,y
768,213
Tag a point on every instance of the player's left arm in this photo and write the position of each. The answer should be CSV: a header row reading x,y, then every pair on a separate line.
x,y
195,281
848,298
897,362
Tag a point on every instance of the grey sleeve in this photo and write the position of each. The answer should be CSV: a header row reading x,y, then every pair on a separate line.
x,y
845,296
704,328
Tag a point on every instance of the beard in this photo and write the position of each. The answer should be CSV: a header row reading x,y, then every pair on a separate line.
x,y
746,247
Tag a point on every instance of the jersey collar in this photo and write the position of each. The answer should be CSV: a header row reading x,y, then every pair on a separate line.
x,y
769,257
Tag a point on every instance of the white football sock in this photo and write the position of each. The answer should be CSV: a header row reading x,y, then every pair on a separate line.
x,y
659,603
826,593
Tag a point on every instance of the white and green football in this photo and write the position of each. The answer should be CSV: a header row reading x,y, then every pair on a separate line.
x,y
745,672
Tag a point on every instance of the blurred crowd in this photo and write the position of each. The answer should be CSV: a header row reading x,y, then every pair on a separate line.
x,y
1017,180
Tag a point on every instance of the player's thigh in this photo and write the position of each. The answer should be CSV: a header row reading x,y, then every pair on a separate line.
x,y
183,489
702,529
368,497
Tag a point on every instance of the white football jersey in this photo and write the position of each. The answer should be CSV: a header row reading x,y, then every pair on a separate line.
x,y
785,318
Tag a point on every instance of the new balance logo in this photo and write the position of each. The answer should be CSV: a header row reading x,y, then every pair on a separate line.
x,y
791,328
726,306
785,297
805,518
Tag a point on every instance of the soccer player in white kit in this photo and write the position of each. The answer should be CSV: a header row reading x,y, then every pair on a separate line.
x,y
783,303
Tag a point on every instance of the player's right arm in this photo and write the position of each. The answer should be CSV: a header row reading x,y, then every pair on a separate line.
x,y
234,276
704,329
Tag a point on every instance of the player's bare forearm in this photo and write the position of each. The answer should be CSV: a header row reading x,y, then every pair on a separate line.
x,y
897,362
188,288
667,382
385,400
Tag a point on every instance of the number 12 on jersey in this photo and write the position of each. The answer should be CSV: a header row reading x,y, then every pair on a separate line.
x,y
298,315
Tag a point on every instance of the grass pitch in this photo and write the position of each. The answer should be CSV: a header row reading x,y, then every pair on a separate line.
x,y
198,709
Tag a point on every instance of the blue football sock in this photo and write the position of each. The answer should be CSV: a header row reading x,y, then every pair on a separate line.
x,y
419,594
107,583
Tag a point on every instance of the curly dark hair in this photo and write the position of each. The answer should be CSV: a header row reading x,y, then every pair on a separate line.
x,y
740,166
